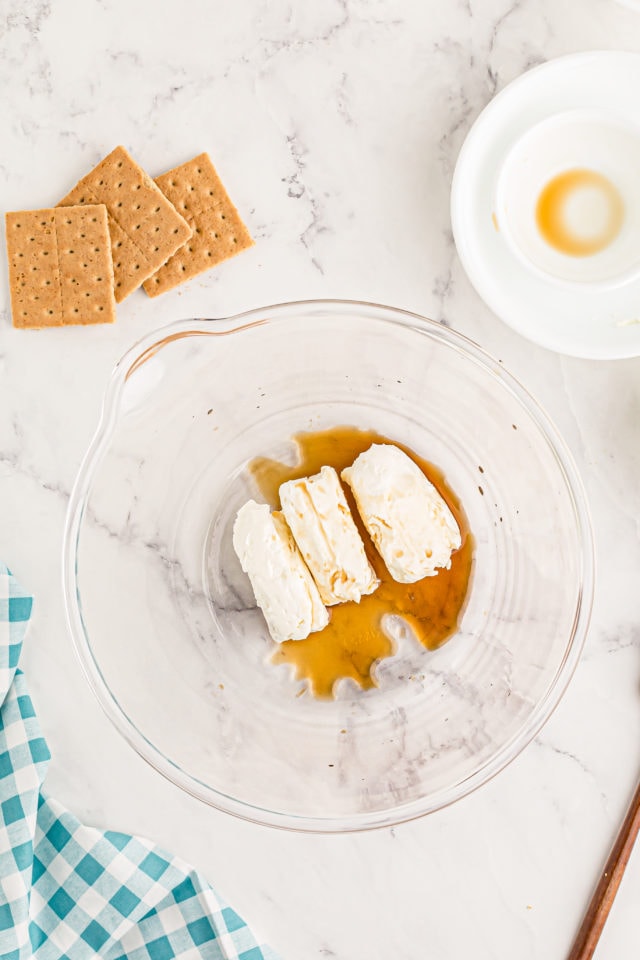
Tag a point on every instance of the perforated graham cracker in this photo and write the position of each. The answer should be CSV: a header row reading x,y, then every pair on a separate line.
x,y
60,268
145,227
197,192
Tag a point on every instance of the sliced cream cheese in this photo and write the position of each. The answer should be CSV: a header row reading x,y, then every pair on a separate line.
x,y
320,520
283,587
409,522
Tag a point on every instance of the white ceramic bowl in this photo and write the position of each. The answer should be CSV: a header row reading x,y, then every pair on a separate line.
x,y
583,319
593,140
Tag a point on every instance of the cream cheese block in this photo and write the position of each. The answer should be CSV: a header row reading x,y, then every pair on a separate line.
x,y
409,522
320,520
283,587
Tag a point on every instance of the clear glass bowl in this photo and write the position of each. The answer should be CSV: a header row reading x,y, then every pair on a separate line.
x,y
163,619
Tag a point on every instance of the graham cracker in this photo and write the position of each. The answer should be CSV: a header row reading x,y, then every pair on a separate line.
x,y
60,269
145,227
197,192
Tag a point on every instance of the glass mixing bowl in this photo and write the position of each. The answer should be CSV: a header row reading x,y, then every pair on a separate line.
x,y
164,621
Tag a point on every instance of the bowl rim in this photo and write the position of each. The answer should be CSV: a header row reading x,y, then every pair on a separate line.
x,y
148,346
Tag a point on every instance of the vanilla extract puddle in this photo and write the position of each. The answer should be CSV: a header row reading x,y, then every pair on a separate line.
x,y
354,640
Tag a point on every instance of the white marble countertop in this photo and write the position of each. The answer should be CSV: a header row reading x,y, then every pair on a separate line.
x,y
335,126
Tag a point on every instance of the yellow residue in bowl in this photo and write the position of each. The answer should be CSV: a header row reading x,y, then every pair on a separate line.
x,y
596,219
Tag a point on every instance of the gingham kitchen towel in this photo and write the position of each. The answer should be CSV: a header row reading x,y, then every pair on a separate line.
x,y
70,892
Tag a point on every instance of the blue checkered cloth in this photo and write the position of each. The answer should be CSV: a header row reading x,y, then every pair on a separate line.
x,y
74,892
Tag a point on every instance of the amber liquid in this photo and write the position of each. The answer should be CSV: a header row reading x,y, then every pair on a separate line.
x,y
551,212
354,640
